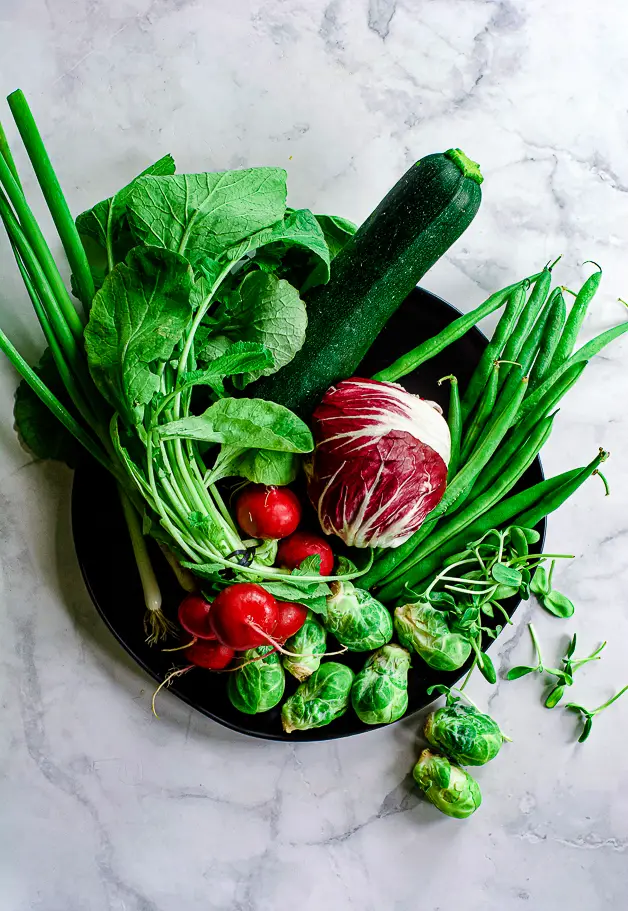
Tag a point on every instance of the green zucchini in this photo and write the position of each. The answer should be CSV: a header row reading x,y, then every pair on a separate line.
x,y
412,227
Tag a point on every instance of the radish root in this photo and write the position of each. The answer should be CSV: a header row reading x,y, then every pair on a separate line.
x,y
157,626
177,672
179,648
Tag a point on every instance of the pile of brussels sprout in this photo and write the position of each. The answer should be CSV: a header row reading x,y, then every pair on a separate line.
x,y
327,689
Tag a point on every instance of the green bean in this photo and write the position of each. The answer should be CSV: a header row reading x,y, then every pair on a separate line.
x,y
542,508
482,414
544,498
480,505
550,341
494,349
429,349
521,431
454,420
527,355
526,321
582,354
575,319
488,443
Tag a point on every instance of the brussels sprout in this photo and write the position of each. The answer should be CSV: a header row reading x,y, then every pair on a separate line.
x,y
356,619
259,685
309,644
379,693
425,629
464,733
322,698
452,790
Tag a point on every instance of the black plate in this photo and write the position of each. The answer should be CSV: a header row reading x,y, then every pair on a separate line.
x,y
106,560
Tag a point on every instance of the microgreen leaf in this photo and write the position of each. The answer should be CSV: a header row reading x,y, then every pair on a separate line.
x,y
586,730
539,584
520,671
555,696
557,604
487,669
506,575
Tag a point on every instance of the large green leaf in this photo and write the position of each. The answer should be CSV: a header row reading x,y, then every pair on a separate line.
x,y
37,428
298,229
245,423
205,214
103,228
137,318
269,311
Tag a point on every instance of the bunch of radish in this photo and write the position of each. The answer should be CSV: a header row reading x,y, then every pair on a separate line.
x,y
244,615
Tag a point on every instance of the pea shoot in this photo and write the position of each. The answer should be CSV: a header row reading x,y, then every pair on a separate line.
x,y
589,714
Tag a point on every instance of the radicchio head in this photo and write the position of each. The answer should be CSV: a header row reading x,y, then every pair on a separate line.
x,y
380,463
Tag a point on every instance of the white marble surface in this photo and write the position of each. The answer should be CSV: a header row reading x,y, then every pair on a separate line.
x,y
103,808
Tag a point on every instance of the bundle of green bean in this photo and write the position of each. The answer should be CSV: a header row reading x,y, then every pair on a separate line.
x,y
499,426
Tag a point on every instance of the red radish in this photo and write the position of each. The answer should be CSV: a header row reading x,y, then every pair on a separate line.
x,y
302,544
194,617
214,656
290,620
242,614
268,512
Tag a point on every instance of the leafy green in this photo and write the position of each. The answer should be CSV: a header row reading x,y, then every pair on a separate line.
x,y
298,228
465,734
357,619
265,310
239,357
38,429
380,691
323,697
425,629
137,318
265,466
449,788
258,684
103,221
336,231
307,645
246,424
206,214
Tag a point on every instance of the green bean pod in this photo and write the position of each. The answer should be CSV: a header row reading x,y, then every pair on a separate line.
x,y
535,502
482,414
429,349
493,350
452,526
575,319
582,354
454,420
521,431
527,354
554,329
525,322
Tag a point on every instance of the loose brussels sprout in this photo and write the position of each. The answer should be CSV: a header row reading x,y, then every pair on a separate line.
x,y
322,698
259,685
464,733
379,693
356,619
309,643
424,628
452,790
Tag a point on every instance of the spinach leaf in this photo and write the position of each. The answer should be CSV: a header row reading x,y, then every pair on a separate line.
x,y
269,311
336,231
137,318
261,466
245,423
37,428
299,228
101,226
240,357
205,214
